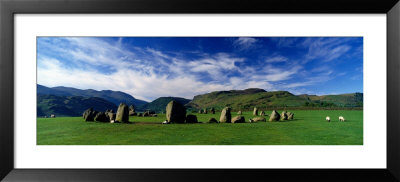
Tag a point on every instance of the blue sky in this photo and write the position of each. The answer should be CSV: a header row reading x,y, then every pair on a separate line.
x,y
152,67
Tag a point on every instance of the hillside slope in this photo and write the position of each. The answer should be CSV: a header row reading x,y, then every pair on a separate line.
x,y
345,100
246,99
159,104
70,105
115,97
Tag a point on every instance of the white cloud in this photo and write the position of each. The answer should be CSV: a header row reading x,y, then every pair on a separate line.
x,y
325,49
138,77
141,86
279,74
148,73
244,43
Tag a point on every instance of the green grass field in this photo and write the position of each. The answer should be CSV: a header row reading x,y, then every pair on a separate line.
x,y
308,128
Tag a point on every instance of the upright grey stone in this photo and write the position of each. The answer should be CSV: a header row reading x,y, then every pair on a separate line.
x,y
274,116
225,115
284,116
122,113
176,113
255,111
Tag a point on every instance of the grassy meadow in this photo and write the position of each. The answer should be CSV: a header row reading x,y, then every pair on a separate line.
x,y
308,128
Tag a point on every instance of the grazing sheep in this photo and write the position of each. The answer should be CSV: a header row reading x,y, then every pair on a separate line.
x,y
52,116
328,119
341,118
165,122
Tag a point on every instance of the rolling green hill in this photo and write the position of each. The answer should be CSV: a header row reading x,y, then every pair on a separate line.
x,y
246,99
69,105
346,100
115,97
159,104
254,97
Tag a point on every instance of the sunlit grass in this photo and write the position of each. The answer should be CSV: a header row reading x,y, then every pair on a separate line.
x,y
308,128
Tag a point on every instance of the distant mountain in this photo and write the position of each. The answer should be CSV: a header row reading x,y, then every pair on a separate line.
x,y
115,97
246,99
345,100
159,104
70,105
254,97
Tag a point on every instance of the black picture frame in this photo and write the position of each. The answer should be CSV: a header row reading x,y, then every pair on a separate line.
x,y
8,8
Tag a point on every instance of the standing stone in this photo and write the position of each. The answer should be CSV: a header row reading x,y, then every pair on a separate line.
x,y
257,119
132,108
101,117
262,113
284,116
200,111
212,111
111,116
89,114
225,115
274,116
122,113
132,113
238,119
239,112
255,111
212,120
290,115
176,113
190,118
204,111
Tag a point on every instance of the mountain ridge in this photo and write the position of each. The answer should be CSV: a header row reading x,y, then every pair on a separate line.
x,y
244,100
115,97
159,104
70,105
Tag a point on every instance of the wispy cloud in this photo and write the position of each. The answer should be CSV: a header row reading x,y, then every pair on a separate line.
x,y
244,43
280,74
285,41
136,76
325,49
148,73
276,59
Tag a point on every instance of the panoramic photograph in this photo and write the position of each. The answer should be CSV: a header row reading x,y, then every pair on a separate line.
x,y
199,91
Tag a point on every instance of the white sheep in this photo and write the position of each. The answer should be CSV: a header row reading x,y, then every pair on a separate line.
x,y
341,118
328,119
165,122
